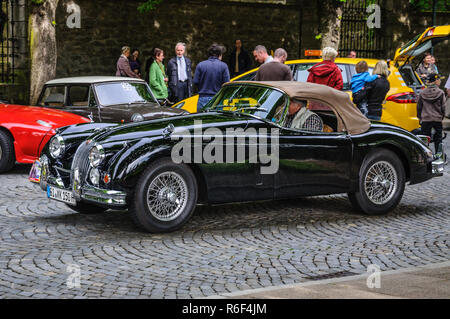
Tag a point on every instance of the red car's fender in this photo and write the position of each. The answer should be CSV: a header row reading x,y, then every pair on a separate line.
x,y
32,127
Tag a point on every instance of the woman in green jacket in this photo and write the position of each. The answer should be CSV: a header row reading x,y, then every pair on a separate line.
x,y
158,79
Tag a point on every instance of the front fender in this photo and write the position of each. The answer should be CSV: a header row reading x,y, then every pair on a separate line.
x,y
129,165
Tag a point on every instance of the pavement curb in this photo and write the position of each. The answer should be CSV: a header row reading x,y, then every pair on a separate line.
x,y
326,281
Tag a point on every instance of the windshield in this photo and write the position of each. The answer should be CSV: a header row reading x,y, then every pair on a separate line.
x,y
250,99
123,93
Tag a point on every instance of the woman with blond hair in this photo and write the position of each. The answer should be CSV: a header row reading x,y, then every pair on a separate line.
x,y
377,90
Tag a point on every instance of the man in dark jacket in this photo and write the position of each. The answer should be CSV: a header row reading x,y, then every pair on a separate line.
x,y
210,75
179,71
275,70
327,72
239,60
431,108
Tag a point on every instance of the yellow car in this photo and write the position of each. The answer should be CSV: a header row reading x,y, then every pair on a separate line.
x,y
400,106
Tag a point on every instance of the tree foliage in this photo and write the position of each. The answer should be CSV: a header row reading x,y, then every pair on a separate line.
x,y
149,5
427,5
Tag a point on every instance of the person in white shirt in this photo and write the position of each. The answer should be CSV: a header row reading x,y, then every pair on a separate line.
x,y
261,56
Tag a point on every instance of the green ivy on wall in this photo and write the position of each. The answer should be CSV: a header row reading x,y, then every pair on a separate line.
x,y
427,5
148,5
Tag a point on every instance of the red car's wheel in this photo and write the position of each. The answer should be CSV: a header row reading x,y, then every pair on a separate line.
x,y
7,157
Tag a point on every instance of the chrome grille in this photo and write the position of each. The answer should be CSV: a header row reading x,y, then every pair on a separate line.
x,y
81,160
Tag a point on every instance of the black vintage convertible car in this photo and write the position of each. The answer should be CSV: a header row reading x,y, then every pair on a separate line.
x,y
254,141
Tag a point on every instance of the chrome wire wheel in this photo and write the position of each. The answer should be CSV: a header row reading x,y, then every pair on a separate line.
x,y
381,182
167,196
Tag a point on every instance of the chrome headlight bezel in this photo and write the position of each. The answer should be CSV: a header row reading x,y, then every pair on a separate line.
x,y
137,117
56,147
96,155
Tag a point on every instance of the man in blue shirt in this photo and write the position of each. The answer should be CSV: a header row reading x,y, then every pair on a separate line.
x,y
210,75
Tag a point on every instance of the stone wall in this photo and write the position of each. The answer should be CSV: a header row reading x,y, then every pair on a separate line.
x,y
108,25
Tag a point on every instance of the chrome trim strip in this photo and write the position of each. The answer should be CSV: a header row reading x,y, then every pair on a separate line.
x,y
103,196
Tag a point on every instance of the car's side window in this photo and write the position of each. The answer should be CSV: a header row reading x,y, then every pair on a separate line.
x,y
53,96
298,115
78,96
353,70
301,72
247,77
345,78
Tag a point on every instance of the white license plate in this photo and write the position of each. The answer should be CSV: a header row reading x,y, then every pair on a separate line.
x,y
61,195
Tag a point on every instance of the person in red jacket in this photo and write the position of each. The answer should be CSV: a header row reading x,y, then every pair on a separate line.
x,y
327,72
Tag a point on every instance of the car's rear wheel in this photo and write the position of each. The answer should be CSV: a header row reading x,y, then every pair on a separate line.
x,y
165,197
7,157
88,209
381,183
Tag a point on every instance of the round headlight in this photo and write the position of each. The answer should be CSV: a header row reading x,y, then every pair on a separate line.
x,y
56,146
137,117
94,176
96,155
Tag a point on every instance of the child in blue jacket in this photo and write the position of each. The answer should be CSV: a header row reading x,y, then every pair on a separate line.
x,y
358,81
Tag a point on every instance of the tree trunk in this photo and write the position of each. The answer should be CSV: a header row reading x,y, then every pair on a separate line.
x,y
330,22
42,46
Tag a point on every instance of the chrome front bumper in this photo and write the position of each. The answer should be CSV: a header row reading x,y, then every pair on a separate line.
x,y
88,193
103,196
437,166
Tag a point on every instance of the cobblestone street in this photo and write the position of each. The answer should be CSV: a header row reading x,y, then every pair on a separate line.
x,y
222,249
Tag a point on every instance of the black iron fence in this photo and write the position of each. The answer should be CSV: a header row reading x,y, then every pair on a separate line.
x,y
356,34
9,45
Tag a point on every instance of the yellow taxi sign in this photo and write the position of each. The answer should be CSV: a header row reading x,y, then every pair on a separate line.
x,y
314,53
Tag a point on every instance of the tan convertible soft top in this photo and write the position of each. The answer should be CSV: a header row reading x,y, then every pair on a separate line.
x,y
350,119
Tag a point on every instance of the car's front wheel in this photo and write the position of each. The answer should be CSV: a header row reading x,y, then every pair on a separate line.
x,y
165,197
7,157
381,183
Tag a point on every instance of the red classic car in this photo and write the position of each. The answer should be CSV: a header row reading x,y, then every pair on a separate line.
x,y
24,131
